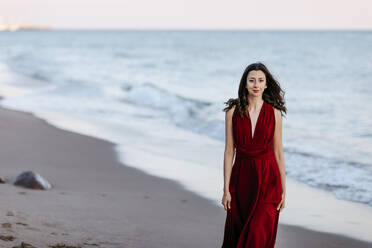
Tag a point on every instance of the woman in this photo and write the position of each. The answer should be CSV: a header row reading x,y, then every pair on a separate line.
x,y
254,187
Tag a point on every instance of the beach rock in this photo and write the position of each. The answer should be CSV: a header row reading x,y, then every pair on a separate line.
x,y
32,180
2,180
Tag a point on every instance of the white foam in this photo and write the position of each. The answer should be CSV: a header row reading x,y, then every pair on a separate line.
x,y
9,91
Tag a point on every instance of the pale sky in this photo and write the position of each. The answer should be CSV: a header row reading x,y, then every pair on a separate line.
x,y
190,14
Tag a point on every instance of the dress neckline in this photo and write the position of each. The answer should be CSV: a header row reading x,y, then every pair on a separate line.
x,y
253,133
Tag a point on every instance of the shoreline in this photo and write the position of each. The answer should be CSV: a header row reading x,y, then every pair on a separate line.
x,y
98,200
95,199
300,208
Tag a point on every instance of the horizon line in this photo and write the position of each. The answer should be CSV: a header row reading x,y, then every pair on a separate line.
x,y
203,29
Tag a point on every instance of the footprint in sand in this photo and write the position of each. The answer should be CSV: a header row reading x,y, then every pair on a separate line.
x,y
18,215
9,213
33,229
22,193
184,201
64,246
21,224
47,224
7,237
111,243
6,225
21,218
24,245
91,244
89,241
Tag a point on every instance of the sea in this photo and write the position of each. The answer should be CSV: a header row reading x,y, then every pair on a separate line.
x,y
159,95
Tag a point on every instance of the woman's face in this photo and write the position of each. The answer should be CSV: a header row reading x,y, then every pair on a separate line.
x,y
256,83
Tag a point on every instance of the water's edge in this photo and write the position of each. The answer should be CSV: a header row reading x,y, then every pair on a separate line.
x,y
306,206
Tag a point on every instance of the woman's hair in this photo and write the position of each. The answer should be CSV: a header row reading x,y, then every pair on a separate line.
x,y
273,94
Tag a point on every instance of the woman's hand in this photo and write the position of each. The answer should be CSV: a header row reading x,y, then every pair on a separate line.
x,y
281,204
226,200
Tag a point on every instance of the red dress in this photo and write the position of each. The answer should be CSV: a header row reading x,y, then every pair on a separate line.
x,y
255,184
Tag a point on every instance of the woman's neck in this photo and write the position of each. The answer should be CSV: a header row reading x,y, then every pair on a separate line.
x,y
255,102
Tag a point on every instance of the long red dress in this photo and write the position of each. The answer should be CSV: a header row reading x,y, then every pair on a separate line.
x,y
255,184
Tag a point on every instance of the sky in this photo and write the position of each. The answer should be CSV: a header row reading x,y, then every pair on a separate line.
x,y
190,14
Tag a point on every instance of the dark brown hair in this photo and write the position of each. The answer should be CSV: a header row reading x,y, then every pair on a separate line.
x,y
273,94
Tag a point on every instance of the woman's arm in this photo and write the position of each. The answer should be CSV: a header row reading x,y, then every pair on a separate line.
x,y
229,149
278,147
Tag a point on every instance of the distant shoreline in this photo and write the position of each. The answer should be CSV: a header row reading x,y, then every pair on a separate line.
x,y
13,28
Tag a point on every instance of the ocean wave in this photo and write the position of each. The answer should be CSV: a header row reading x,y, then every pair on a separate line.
x,y
152,96
346,180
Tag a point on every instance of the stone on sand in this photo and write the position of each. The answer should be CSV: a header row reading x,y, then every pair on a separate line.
x,y
32,180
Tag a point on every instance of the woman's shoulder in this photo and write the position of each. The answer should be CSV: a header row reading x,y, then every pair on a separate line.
x,y
230,112
277,113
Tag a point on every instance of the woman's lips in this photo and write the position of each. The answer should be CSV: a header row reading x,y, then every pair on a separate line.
x,y
255,91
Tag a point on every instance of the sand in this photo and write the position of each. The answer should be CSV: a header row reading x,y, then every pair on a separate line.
x,y
98,202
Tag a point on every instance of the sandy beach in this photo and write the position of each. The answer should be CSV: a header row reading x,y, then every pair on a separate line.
x,y
98,202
